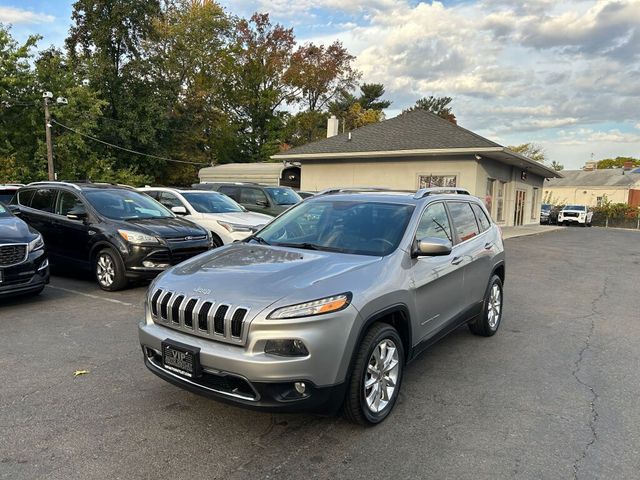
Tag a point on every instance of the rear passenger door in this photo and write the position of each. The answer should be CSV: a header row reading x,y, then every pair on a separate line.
x,y
469,251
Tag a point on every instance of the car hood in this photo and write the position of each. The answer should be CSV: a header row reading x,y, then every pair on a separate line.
x,y
165,227
572,211
256,275
251,219
14,230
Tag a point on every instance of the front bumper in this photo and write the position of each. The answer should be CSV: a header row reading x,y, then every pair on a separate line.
x,y
146,262
572,219
29,276
263,380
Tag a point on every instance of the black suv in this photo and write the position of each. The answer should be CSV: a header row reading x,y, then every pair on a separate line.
x,y
255,197
24,267
115,231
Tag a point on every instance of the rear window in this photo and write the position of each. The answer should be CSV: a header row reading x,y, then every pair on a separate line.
x,y
464,221
43,199
483,221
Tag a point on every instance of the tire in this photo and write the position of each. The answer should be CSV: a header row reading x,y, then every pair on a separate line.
x,y
216,240
109,270
357,407
486,325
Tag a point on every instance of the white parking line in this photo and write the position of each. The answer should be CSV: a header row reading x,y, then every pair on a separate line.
x,y
112,300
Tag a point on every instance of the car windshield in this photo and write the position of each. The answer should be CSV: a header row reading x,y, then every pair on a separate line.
x,y
283,196
580,208
120,204
546,208
363,228
211,202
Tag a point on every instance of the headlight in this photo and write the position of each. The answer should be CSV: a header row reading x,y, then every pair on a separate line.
x,y
315,307
137,238
36,244
234,227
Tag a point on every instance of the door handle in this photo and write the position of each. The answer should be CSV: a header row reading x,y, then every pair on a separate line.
x,y
488,245
456,261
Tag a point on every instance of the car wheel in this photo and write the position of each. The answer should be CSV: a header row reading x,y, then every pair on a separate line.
x,y
216,240
487,324
109,271
375,380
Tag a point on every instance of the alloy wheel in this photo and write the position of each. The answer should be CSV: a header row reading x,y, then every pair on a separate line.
x,y
381,377
105,270
495,306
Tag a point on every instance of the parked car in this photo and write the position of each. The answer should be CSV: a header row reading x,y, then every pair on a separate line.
x,y
254,197
24,267
545,213
304,194
575,214
118,233
7,191
324,306
224,218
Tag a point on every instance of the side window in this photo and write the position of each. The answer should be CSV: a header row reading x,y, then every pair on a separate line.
x,y
253,196
24,197
169,200
434,223
230,191
464,221
153,194
483,221
67,202
43,199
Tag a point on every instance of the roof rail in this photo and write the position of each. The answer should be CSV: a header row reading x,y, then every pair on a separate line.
x,y
51,182
330,191
425,192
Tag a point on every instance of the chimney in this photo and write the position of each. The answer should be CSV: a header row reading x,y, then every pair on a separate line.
x,y
332,126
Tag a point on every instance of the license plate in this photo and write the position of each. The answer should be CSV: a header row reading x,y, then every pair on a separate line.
x,y
181,359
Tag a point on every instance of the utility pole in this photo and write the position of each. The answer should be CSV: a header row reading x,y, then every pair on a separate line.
x,y
46,96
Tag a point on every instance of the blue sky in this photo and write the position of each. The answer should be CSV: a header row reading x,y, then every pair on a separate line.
x,y
561,73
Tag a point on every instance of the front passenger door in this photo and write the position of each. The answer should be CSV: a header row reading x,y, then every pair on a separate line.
x,y
73,235
438,279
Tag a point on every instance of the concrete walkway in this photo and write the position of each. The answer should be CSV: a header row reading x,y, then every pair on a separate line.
x,y
512,232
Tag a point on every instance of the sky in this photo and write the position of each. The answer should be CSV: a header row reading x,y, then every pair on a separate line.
x,y
563,74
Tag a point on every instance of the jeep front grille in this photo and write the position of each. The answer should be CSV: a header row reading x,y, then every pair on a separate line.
x,y
12,254
204,318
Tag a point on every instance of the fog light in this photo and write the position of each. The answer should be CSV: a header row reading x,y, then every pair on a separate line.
x,y
286,348
150,264
300,387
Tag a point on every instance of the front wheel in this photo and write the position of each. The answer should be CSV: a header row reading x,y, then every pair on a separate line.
x,y
109,271
488,322
375,380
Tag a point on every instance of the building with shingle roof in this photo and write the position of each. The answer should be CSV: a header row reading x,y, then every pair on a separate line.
x,y
419,149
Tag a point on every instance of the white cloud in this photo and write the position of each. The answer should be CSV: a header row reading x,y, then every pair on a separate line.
x,y
16,16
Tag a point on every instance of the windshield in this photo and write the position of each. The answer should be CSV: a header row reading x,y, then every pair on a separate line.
x,y
125,204
580,208
283,196
211,202
545,207
363,228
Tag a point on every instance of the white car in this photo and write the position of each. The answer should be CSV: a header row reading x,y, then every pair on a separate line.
x,y
578,214
224,218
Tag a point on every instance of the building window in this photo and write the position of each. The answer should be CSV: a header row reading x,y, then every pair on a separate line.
x,y
500,192
599,201
428,181
534,203
488,196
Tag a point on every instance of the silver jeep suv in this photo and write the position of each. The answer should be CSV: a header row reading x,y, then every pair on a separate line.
x,y
324,307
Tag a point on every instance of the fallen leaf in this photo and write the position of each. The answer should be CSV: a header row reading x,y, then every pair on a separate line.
x,y
77,373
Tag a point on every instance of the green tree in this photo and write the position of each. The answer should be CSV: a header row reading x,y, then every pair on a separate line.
x,y
436,105
617,162
557,166
530,150
371,97
356,111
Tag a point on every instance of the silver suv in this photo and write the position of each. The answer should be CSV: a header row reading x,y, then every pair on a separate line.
x,y
324,307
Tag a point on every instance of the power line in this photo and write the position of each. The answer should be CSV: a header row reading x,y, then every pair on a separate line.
x,y
123,148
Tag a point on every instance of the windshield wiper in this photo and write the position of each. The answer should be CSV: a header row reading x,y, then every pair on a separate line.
x,y
257,239
310,246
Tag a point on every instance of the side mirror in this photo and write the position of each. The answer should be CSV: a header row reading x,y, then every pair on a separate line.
x,y
14,209
77,214
432,246
179,210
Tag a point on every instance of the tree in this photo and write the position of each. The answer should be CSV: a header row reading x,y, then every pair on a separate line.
x,y
320,73
530,150
617,162
557,166
436,105
355,111
370,97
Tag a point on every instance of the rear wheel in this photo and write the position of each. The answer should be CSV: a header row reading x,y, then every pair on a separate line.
x,y
109,270
375,380
488,322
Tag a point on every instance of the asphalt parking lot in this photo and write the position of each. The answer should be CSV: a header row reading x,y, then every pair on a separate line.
x,y
553,395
